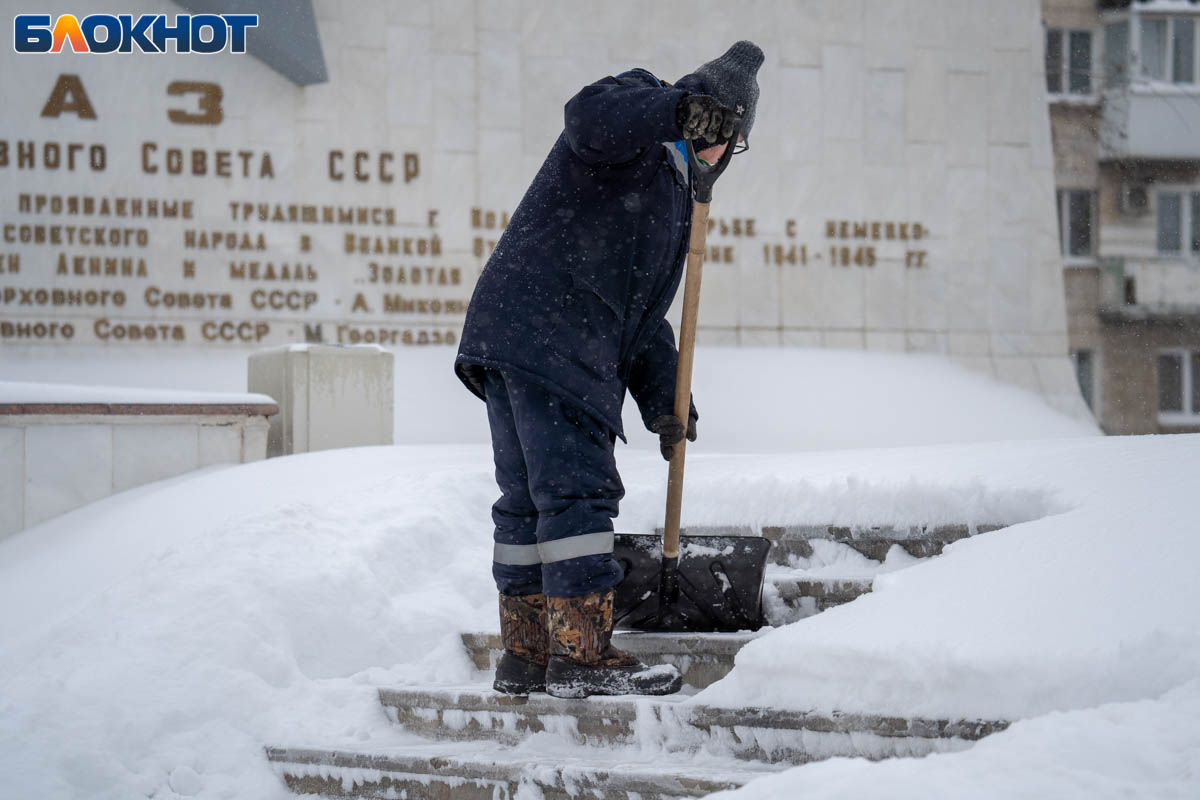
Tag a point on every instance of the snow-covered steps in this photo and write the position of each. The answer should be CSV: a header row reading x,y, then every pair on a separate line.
x,y
492,773
703,658
671,725
795,541
471,742
799,597
790,542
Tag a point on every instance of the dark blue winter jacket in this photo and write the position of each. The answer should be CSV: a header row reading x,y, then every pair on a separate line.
x,y
575,293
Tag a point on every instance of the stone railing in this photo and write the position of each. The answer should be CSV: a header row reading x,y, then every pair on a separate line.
x,y
62,447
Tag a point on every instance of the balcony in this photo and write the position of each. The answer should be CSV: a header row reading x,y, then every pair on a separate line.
x,y
1147,291
1151,97
1144,121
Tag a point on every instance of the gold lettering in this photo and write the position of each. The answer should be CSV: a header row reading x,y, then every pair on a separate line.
x,y
209,103
68,95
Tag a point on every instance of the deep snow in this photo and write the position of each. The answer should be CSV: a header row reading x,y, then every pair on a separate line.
x,y
751,400
153,642
1147,749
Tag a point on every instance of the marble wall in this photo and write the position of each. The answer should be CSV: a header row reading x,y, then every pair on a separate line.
x,y
60,457
898,193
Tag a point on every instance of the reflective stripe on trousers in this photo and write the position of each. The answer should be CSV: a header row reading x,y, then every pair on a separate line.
x,y
523,555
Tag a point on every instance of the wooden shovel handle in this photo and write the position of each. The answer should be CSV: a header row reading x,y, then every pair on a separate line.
x,y
683,373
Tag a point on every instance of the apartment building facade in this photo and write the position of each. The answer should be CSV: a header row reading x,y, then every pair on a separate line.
x,y
1123,80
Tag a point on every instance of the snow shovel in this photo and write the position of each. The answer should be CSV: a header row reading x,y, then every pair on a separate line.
x,y
690,583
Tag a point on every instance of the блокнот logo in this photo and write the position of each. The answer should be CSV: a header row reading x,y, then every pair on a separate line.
x,y
121,33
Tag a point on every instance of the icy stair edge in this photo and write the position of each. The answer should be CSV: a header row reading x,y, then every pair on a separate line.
x,y
332,773
873,542
613,747
749,733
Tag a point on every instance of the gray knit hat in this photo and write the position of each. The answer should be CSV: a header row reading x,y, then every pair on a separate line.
x,y
732,80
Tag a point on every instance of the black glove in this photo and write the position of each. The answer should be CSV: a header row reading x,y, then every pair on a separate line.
x,y
701,116
670,432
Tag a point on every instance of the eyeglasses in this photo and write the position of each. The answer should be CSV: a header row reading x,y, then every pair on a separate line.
x,y
741,147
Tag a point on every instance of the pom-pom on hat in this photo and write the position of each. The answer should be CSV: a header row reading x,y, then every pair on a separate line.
x,y
732,79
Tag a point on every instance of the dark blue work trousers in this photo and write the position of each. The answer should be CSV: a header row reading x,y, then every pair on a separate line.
x,y
559,492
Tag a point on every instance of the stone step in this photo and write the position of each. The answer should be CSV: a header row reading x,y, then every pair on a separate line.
x,y
767,735
490,773
872,542
794,541
703,658
801,597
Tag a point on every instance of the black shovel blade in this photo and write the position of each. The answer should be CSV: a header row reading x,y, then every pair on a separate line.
x,y
717,585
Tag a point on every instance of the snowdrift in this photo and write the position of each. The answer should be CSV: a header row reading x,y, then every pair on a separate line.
x,y
751,400
154,641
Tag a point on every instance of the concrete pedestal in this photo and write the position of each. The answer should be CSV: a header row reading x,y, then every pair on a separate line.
x,y
329,396
62,447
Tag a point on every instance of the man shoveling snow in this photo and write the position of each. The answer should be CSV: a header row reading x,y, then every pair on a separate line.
x,y
567,315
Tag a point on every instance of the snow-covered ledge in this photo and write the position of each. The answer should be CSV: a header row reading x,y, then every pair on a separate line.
x,y
63,446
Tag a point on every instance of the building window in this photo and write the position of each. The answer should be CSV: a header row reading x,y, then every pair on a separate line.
x,y
1194,230
1179,386
1168,49
1068,61
1116,53
1154,48
1183,51
1075,215
1085,373
1179,223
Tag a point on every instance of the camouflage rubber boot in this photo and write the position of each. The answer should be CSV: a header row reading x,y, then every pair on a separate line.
x,y
583,661
522,667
